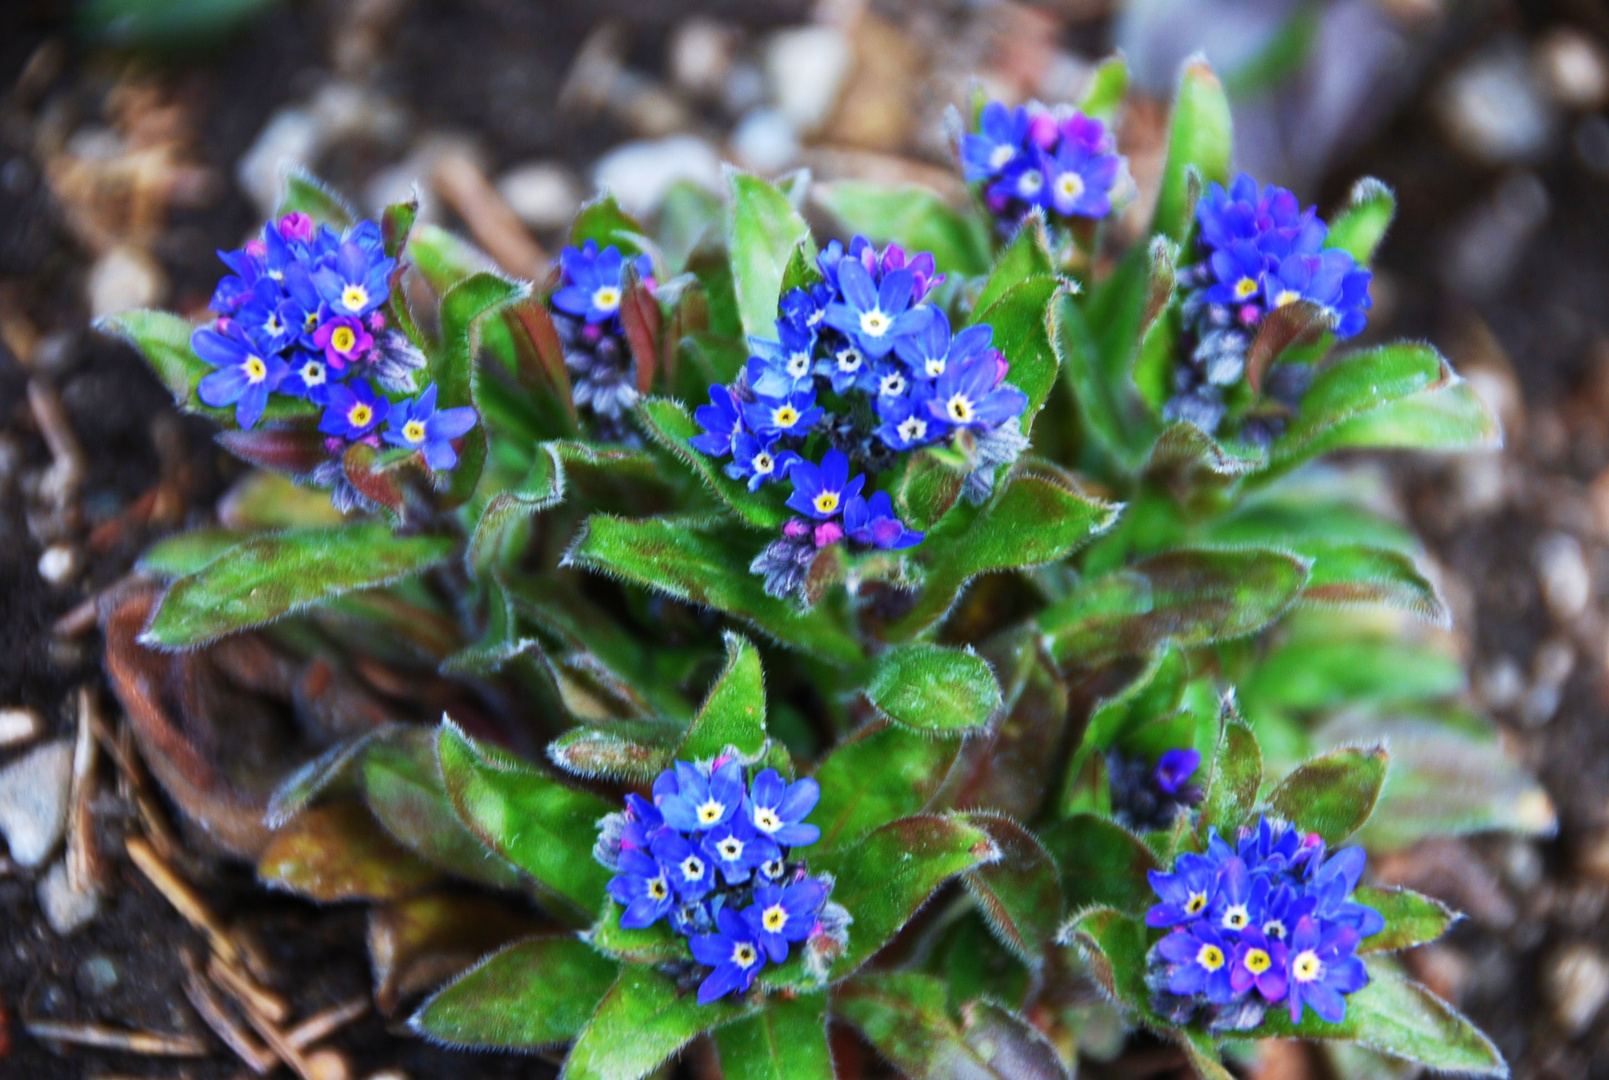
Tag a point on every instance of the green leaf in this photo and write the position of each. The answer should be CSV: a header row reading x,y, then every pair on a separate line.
x,y
1114,945
500,529
641,1022
670,425
653,944
1445,417
163,338
1035,517
1359,228
1411,918
1026,256
338,852
451,367
533,821
926,489
888,876
734,712
272,576
1186,454
444,258
1348,575
1236,775
786,1040
1102,863
603,222
187,552
934,689
1200,139
1190,597
765,230
688,215
1020,895
1100,369
1332,794
1397,1016
914,217
396,222
626,750
402,785
1010,767
1322,667
306,194
1108,86
908,766
530,995
693,562
1022,334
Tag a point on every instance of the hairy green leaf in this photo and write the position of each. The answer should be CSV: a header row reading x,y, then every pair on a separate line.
x,y
1359,228
765,230
1332,794
1020,895
527,996
1026,256
1108,86
604,223
1200,141
669,424
734,712
338,852
908,766
642,1020
1411,918
1101,863
1023,336
932,688
1348,575
1236,774
786,1040
306,194
628,750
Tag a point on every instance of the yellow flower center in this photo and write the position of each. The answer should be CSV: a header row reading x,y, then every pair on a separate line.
x,y
1289,296
826,502
785,416
1001,156
1258,961
1245,287
1196,902
343,339
1307,966
606,298
1069,185
1210,957
960,409
774,918
413,431
744,955
354,297
310,323
360,415
710,812
656,888
874,323
256,370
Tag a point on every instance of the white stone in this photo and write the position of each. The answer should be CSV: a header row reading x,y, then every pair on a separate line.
x,y
125,277
806,68
58,564
1577,981
20,725
66,909
1574,68
639,173
544,194
291,137
1494,110
1566,583
764,140
33,801
701,55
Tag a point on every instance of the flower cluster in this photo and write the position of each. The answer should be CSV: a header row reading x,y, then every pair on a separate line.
x,y
713,854
1268,921
1146,796
865,366
586,312
300,315
1260,251
1030,156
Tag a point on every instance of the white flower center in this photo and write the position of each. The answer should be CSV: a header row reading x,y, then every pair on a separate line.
x,y
354,297
892,385
1236,918
1287,296
1029,183
606,298
692,868
1274,929
766,820
1001,156
1069,186
912,428
960,409
744,955
935,367
1307,967
849,360
799,365
826,502
874,323
710,812
313,373
731,848
763,464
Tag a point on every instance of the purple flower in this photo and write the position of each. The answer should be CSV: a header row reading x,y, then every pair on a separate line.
x,y
783,914
1175,769
875,315
778,809
642,888
688,869
354,282
1185,894
820,491
735,954
721,420
794,414
416,424
758,462
351,410
245,376
344,340
1083,169
1261,963
1267,215
696,802
998,141
1322,969
736,848
592,289
970,394
872,522
1201,962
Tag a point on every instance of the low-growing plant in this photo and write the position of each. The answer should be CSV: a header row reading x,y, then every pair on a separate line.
x,y
920,633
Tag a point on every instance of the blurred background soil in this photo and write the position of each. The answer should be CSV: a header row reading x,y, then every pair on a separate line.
x,y
137,137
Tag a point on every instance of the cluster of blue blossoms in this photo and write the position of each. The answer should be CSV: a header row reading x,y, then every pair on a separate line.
x,y
713,854
865,366
300,315
1062,162
1270,921
586,313
1260,251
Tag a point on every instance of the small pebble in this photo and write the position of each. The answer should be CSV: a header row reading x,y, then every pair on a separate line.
x,y
327,1064
764,141
701,53
65,909
639,173
58,564
20,725
1550,669
1502,685
1577,983
1562,569
291,137
33,801
544,194
806,68
124,278
97,975
1573,68
1493,110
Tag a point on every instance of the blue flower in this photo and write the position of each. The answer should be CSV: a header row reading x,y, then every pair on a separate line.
x,y
735,954
970,394
736,848
701,802
417,425
1242,897
875,315
889,382
356,281
820,491
1322,968
872,522
688,869
308,377
758,462
642,888
593,290
1026,179
906,422
846,368
782,368
793,414
643,824
804,308
1083,169
784,914
1175,769
245,375
1332,886
1270,217
931,350
1201,960
1284,909
1330,279
1262,963
1239,269
721,420
778,809
996,144
1185,894
262,319
352,410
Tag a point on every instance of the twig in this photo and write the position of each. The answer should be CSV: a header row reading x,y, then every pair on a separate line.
x,y
79,621
210,1008
147,1043
67,457
493,223
322,1025
84,872
183,898
277,1042
272,1007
